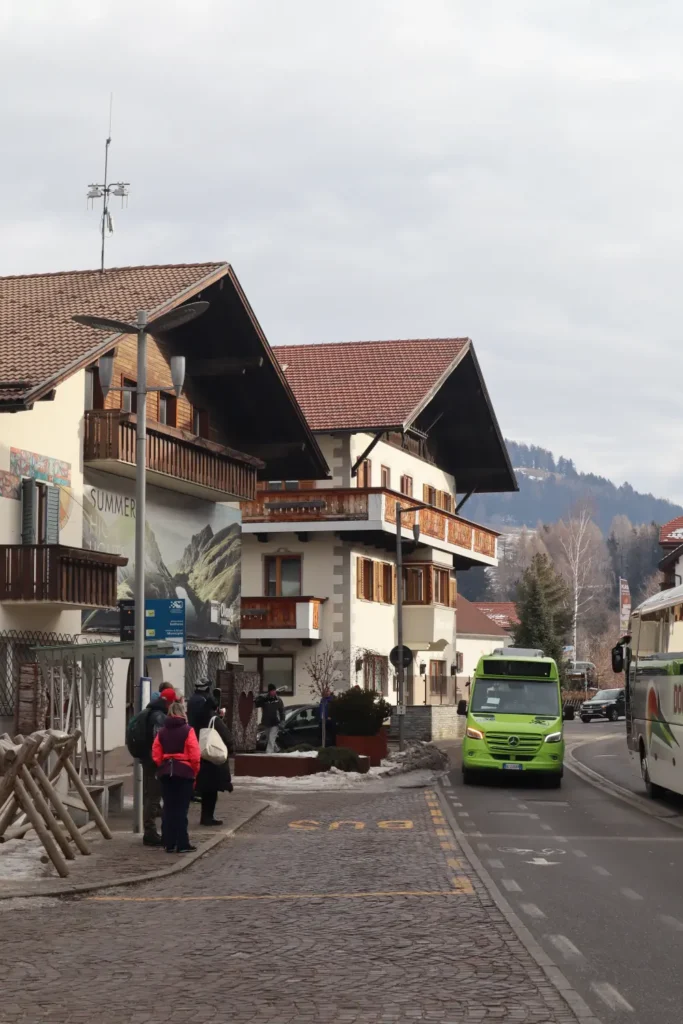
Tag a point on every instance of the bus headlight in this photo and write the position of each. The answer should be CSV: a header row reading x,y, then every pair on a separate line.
x,y
474,734
554,737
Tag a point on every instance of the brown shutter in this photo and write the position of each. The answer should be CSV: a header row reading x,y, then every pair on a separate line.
x,y
379,580
428,574
394,592
374,568
359,576
307,485
368,473
425,493
453,592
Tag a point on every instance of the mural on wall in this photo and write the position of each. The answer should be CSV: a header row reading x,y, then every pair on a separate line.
x,y
193,550
38,467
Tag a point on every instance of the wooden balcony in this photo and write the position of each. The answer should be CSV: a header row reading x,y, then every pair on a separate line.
x,y
176,459
355,509
281,618
58,575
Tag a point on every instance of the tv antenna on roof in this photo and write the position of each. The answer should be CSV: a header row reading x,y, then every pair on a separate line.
x,y
106,190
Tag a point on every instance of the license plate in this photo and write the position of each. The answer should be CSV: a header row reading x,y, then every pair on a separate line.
x,y
513,766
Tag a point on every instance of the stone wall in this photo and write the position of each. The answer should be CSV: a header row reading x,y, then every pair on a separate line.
x,y
430,722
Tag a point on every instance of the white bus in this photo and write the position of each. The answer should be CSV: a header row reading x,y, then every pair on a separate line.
x,y
653,663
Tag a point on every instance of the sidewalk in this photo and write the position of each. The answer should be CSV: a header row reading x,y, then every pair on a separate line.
x,y
122,859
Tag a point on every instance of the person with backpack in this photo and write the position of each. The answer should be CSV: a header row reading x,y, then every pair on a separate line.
x,y
176,753
140,734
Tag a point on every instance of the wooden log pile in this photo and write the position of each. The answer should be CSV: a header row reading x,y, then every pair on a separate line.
x,y
29,801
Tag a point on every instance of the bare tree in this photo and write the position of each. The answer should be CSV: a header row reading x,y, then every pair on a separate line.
x,y
579,553
324,670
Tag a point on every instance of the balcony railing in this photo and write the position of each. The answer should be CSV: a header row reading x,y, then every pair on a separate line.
x,y
370,504
299,614
175,458
54,574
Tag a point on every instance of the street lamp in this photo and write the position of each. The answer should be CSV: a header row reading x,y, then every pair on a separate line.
x,y
142,327
399,616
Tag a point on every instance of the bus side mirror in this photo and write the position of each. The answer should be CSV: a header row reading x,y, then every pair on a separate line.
x,y
618,658
462,707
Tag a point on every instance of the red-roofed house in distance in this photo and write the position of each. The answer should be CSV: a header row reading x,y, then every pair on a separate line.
x,y
503,613
478,633
671,543
397,421
67,501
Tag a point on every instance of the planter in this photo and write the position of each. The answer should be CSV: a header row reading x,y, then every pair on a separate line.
x,y
374,747
263,765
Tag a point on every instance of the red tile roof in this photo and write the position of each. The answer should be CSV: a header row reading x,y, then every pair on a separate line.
x,y
367,384
39,341
503,613
469,619
672,533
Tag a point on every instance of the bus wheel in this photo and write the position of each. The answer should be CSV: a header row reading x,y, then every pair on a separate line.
x,y
651,788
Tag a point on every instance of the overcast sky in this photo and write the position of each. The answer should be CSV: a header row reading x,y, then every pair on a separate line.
x,y
510,170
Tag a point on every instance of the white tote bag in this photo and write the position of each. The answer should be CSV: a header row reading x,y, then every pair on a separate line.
x,y
212,747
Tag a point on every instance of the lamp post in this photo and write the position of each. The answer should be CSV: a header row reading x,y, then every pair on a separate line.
x,y
399,616
142,327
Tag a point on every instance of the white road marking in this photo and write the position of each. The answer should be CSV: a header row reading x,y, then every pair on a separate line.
x,y
523,807
599,870
532,910
542,862
566,948
610,996
510,885
580,853
672,922
547,828
561,839
447,781
631,894
495,863
484,846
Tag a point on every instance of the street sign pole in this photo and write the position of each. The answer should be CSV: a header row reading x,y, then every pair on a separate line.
x,y
399,631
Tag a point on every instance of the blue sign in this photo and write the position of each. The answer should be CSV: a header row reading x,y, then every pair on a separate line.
x,y
165,620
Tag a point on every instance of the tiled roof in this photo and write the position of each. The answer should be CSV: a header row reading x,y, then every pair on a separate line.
x,y
503,613
373,384
672,533
39,341
469,619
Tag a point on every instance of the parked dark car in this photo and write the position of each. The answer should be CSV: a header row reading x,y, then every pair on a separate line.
x,y
610,704
301,725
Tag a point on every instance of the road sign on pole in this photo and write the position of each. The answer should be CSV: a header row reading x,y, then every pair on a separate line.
x,y
395,656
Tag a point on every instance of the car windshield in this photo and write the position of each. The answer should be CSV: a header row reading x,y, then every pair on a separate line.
x,y
606,695
515,697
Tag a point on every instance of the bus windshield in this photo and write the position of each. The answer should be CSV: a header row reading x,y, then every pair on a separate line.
x,y
515,697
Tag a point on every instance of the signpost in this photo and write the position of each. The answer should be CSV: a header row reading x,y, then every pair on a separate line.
x,y
624,606
395,656
164,620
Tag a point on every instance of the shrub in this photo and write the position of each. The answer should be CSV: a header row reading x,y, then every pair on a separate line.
x,y
359,712
339,757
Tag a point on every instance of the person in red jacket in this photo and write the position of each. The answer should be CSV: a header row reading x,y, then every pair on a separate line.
x,y
176,751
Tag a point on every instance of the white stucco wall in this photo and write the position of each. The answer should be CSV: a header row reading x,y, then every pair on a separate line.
x,y
400,462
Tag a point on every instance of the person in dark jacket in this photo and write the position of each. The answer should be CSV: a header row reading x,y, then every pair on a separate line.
x,y
176,753
272,715
195,705
213,778
151,787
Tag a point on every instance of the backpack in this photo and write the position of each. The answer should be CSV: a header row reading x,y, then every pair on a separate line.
x,y
137,734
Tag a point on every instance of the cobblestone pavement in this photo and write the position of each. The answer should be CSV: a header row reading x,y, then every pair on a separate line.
x,y
327,908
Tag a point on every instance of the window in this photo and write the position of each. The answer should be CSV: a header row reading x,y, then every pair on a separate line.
x,y
446,501
167,409
283,485
39,512
365,579
365,474
376,673
200,422
458,662
387,583
283,576
429,494
407,485
278,670
386,477
94,399
413,585
129,399
437,678
441,586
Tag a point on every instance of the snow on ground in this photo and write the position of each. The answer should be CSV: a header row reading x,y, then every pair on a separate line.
x,y
335,779
20,859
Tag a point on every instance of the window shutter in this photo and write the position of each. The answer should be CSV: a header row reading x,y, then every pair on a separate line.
x,y
29,512
379,580
52,516
425,493
375,568
359,576
453,593
428,577
394,592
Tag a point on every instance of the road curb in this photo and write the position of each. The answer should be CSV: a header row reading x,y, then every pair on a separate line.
x,y
599,781
181,864
557,979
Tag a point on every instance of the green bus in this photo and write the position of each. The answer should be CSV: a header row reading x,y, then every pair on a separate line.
x,y
514,717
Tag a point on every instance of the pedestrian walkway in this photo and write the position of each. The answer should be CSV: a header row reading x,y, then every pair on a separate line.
x,y
331,908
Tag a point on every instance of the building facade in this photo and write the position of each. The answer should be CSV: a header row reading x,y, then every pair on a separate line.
x,y
400,423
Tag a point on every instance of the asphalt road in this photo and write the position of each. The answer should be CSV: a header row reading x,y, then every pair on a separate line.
x,y
597,882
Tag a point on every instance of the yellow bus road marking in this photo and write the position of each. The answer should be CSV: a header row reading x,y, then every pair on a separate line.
x,y
441,832
311,825
447,846
459,891
454,863
463,885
